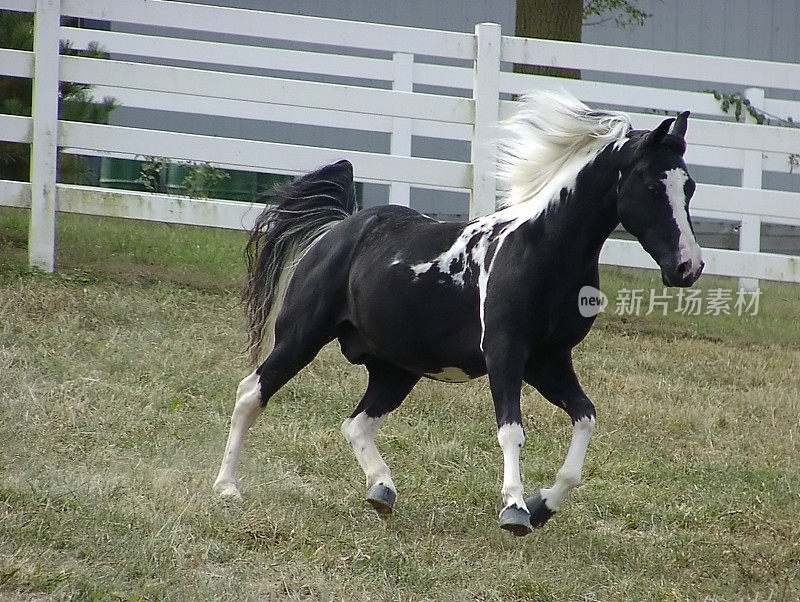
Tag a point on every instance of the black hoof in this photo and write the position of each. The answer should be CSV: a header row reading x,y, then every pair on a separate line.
x,y
515,520
382,499
540,513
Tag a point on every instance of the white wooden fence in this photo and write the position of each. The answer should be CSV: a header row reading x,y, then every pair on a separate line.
x,y
462,101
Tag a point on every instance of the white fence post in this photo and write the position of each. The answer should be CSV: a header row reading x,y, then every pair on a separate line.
x,y
400,145
44,141
750,229
486,95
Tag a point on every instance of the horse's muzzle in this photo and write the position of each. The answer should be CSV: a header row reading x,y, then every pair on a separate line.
x,y
685,274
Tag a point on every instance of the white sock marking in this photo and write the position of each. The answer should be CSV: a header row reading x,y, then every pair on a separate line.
x,y
569,475
248,407
511,437
360,433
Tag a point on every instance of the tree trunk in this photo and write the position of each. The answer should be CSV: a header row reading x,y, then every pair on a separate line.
x,y
551,20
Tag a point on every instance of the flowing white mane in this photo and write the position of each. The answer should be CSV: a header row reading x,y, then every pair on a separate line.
x,y
551,137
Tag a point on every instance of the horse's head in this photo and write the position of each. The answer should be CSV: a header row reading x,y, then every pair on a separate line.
x,y
653,200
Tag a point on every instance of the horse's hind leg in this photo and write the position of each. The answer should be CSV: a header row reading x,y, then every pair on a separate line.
x,y
248,407
286,360
388,387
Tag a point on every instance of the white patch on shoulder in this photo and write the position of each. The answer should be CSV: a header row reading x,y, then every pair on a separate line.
x,y
536,164
450,375
472,246
455,260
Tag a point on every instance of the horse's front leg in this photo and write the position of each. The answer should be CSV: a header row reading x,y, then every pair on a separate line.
x,y
555,379
505,364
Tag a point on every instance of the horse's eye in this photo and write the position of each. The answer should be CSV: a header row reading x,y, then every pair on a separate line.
x,y
653,188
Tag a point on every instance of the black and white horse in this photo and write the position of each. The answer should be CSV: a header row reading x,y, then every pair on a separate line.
x,y
409,297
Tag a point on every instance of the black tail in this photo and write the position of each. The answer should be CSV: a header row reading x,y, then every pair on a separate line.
x,y
299,214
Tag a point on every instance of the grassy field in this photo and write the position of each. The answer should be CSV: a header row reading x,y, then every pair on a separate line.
x,y
116,384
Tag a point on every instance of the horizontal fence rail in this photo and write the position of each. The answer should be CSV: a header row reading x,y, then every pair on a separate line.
x,y
276,26
398,85
637,61
246,153
214,84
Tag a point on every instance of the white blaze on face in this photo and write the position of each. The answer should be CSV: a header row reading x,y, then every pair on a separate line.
x,y
674,182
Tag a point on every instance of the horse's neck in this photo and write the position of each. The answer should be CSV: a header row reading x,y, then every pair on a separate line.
x,y
575,226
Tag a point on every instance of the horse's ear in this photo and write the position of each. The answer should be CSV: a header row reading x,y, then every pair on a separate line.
x,y
679,127
657,135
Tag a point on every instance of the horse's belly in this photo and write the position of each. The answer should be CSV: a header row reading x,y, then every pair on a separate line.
x,y
450,375
448,355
